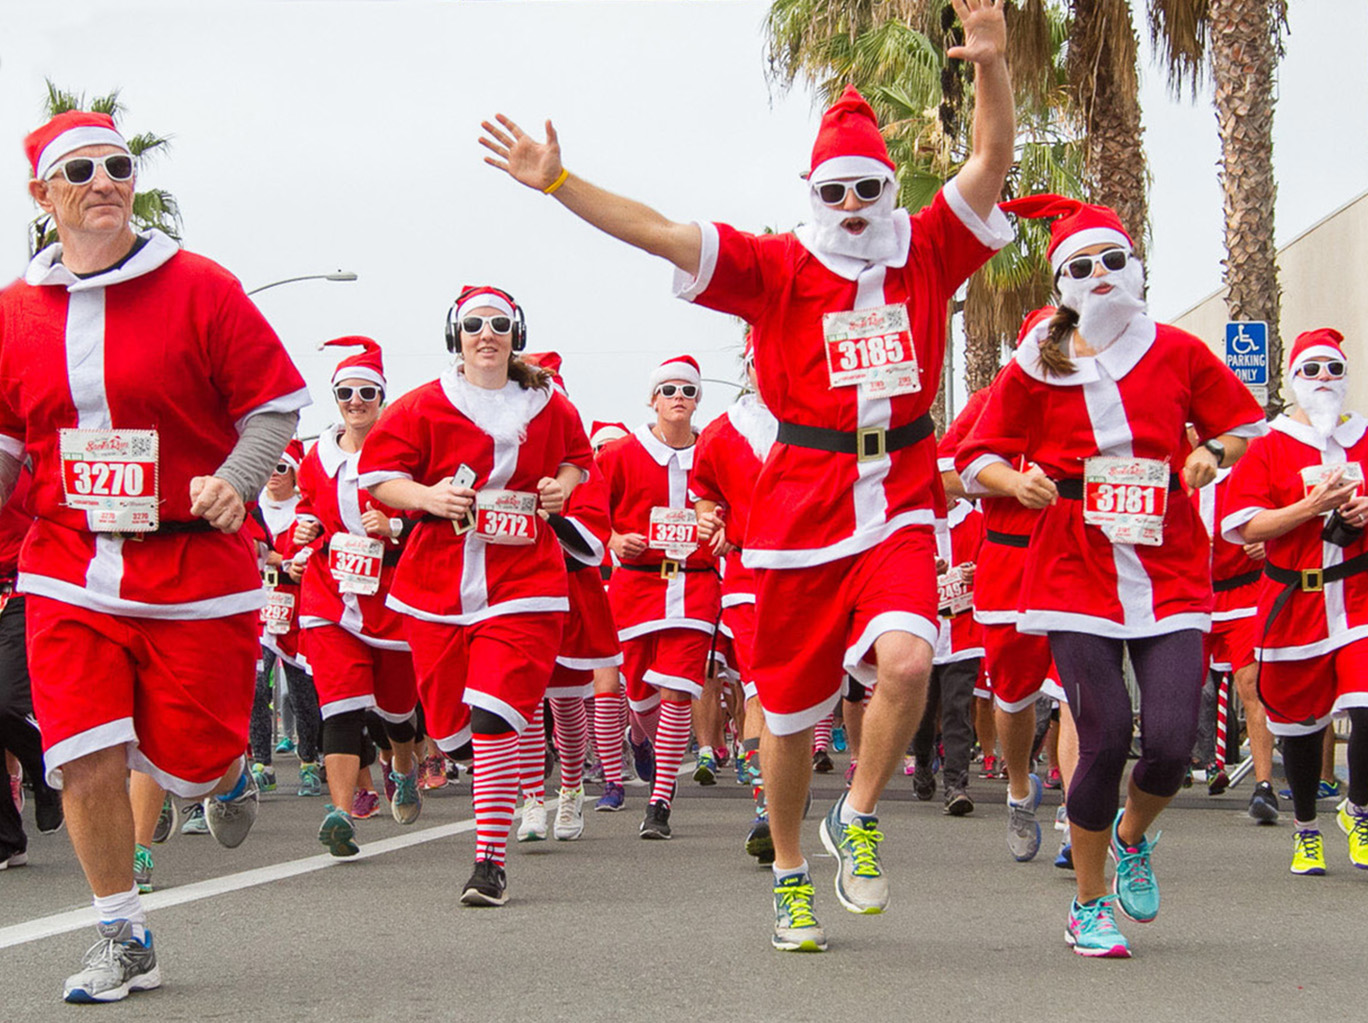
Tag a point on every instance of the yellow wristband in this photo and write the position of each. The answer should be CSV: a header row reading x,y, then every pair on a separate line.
x,y
560,180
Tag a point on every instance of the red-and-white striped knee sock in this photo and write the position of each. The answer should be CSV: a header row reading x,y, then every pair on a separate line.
x,y
644,723
494,790
609,710
532,759
571,726
671,740
821,734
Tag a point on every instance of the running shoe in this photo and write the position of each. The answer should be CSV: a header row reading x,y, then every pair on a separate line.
x,y
850,773
723,755
1092,931
19,859
958,803
1216,778
569,814
909,764
643,759
656,823
1324,790
1263,804
923,782
1358,837
838,738
989,768
265,777
860,882
593,774
142,868
795,928
285,746
1342,816
488,885
114,966
821,762
434,773
1023,830
1054,780
167,820
613,798
194,820
407,802
1137,892
231,817
705,772
746,774
310,784
338,833
365,804
1064,858
47,811
387,768
759,841
1308,852
533,826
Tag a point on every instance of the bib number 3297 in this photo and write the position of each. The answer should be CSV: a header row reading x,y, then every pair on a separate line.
x,y
1126,498
111,475
871,348
355,563
674,531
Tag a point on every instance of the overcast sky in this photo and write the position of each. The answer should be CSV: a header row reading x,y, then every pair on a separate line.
x,y
312,136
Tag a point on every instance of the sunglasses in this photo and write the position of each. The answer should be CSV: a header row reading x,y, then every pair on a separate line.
x,y
833,193
668,390
499,324
1081,267
367,393
1311,368
282,468
81,169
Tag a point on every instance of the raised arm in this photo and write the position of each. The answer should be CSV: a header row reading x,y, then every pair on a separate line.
x,y
985,44
538,165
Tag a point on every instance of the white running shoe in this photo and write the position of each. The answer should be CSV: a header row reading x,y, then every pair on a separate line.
x,y
533,826
570,814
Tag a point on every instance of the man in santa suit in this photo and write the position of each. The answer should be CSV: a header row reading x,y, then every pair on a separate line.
x,y
849,320
1300,492
664,592
154,400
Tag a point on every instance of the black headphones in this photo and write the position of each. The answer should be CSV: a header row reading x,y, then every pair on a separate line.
x,y
453,329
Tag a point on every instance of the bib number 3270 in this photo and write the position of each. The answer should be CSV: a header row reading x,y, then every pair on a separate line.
x,y
111,475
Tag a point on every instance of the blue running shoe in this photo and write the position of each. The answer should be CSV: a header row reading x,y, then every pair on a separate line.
x,y
1324,790
705,773
1137,892
1064,860
1091,930
612,800
759,841
285,746
838,739
643,759
1023,830
860,882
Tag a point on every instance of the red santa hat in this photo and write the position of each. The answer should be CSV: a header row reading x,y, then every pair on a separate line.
x,y
368,364
1323,343
549,361
293,454
479,297
681,367
1076,224
1032,318
67,132
849,144
601,433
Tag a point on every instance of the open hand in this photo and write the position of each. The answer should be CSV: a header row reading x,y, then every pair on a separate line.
x,y
535,164
985,31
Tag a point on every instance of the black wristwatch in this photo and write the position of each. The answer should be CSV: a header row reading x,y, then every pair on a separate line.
x,y
1217,449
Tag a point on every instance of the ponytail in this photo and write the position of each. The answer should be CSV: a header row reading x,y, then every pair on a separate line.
x,y
527,375
1054,351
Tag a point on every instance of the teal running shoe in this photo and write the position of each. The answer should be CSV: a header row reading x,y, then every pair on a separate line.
x,y
1092,931
1137,892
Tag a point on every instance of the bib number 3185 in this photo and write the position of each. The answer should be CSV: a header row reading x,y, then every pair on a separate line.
x,y
871,348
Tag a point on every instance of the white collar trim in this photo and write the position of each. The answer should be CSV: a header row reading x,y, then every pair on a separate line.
x,y
45,270
1118,359
332,457
661,452
1346,434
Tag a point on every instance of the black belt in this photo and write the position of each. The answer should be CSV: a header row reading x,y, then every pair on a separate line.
x,y
1236,581
1009,539
1072,487
866,445
164,528
668,569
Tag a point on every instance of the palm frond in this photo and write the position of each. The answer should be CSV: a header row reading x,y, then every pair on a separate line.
x,y
146,144
157,208
1178,31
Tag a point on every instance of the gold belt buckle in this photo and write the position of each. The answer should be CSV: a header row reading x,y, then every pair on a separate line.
x,y
862,451
669,569
270,577
1312,580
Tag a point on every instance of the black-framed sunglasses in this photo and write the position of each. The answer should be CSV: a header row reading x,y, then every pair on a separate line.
x,y
1081,267
367,392
668,390
79,170
1311,368
833,193
498,323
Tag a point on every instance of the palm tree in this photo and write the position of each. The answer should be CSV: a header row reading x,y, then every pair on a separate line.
x,y
153,208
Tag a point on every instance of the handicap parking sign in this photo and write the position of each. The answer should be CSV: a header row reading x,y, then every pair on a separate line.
x,y
1246,353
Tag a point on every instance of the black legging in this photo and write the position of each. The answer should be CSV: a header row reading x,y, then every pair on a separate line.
x,y
1168,670
17,733
303,698
1301,756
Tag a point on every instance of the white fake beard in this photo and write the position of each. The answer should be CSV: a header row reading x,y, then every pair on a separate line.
x,y
754,421
1322,401
877,243
1104,318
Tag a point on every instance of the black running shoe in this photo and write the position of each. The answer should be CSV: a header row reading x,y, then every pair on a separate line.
x,y
656,823
760,843
1263,804
488,885
821,762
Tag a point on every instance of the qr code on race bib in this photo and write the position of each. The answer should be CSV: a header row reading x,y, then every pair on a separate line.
x,y
141,447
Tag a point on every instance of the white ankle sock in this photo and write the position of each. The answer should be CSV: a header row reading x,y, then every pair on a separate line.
x,y
782,872
124,906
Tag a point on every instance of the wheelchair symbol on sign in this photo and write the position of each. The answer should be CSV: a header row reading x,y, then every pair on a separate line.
x,y
1242,343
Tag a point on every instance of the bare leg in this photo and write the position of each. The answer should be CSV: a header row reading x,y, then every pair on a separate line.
x,y
1328,756
1256,722
707,712
904,664
787,764
1141,810
146,798
985,724
1068,744
1016,729
99,818
343,769
854,712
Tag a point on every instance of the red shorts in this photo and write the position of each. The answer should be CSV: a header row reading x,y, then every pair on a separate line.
x,y
1301,696
739,620
177,693
352,675
1017,663
500,664
668,659
568,682
1230,644
813,625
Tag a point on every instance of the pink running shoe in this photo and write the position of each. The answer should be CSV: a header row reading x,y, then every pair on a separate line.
x,y
365,804
850,774
432,773
990,766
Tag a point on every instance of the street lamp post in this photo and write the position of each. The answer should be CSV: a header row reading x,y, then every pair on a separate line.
x,y
339,275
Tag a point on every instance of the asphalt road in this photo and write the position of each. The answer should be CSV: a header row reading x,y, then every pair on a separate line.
x,y
614,928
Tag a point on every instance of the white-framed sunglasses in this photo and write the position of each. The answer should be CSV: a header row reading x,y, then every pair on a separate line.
x,y
833,193
1082,267
79,170
368,392
668,390
1311,368
498,323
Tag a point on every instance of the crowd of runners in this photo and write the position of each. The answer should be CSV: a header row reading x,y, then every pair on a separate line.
x,y
443,569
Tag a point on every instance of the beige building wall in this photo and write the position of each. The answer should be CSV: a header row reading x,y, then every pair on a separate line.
x,y
1324,276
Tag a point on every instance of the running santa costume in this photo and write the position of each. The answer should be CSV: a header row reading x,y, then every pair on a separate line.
x,y
1235,578
124,585
848,356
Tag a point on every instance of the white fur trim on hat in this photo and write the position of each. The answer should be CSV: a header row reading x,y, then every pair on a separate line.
x,y
76,138
675,369
1071,245
604,434
840,168
358,373
482,299
1317,352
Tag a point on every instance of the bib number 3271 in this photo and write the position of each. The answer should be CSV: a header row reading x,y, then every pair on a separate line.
x,y
355,563
111,475
506,517
871,348
1126,498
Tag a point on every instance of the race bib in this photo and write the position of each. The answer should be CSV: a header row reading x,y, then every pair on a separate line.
x,y
278,612
871,348
1315,475
112,476
955,591
506,517
355,563
674,531
1126,498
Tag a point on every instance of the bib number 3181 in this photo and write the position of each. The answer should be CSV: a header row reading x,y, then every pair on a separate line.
x,y
1126,498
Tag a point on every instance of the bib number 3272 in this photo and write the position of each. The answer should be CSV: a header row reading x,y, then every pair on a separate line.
x,y
355,563
111,475
506,517
871,348
1126,498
